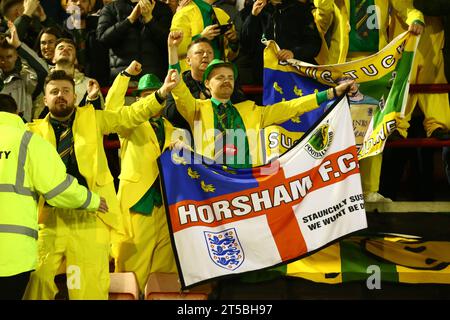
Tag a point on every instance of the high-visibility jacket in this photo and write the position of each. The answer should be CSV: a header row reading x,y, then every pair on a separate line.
x,y
336,15
29,167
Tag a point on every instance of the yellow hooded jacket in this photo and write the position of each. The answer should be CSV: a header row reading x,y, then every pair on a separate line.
x,y
139,150
88,129
200,116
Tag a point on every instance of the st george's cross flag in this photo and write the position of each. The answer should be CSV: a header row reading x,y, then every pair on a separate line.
x,y
225,221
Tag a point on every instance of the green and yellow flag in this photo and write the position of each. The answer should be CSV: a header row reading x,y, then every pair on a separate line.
x,y
393,259
377,99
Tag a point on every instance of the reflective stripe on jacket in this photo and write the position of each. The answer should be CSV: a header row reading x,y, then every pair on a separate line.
x,y
29,167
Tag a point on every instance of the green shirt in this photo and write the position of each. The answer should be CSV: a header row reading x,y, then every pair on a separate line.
x,y
364,35
209,18
229,118
153,196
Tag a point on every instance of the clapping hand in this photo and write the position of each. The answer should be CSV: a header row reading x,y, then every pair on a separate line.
x,y
13,39
135,14
258,5
40,13
147,7
30,6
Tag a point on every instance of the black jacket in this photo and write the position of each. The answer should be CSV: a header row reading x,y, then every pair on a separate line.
x,y
146,43
290,24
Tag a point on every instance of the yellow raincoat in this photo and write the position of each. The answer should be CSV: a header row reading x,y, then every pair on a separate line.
x,y
83,241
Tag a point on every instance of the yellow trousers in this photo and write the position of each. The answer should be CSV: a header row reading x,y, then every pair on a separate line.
x,y
428,67
79,240
149,250
370,169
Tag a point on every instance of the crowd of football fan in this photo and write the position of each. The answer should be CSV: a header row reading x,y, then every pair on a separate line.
x,y
185,62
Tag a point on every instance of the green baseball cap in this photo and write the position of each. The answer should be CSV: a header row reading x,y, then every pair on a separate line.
x,y
215,63
148,82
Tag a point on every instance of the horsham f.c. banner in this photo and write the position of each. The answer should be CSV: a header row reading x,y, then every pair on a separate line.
x,y
226,221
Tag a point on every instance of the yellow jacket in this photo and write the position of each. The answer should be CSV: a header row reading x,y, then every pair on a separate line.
x,y
333,16
88,129
139,150
200,116
30,166
189,20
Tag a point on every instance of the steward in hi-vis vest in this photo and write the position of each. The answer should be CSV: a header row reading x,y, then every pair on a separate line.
x,y
29,167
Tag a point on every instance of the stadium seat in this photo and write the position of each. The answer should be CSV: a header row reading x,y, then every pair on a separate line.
x,y
166,286
123,286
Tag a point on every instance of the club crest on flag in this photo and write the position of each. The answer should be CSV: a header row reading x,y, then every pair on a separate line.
x,y
319,142
226,224
224,248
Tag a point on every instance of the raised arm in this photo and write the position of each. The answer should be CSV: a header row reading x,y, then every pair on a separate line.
x,y
410,15
252,27
186,104
140,111
285,110
37,64
24,22
93,95
115,99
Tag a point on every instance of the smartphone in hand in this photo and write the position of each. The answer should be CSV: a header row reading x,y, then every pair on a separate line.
x,y
225,27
